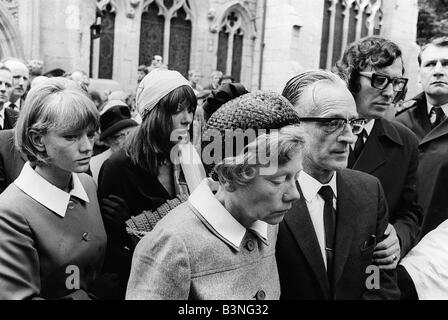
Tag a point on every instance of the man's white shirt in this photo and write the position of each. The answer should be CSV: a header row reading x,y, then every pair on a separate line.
x,y
315,204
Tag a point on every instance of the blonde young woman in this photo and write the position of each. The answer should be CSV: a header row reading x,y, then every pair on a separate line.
x,y
52,235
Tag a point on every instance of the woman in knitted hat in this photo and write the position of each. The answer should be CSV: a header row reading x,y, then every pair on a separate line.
x,y
221,243
259,111
150,169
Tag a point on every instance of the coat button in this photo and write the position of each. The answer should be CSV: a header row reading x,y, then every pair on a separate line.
x,y
85,236
250,245
71,205
261,295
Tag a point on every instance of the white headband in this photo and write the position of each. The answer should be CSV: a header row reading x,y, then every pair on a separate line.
x,y
157,84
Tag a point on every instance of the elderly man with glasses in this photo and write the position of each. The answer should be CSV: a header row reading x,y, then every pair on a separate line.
x,y
373,69
326,241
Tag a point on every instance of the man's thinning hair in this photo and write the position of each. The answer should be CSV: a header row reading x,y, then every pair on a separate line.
x,y
440,42
296,87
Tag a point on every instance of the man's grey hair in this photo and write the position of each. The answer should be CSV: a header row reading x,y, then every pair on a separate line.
x,y
308,80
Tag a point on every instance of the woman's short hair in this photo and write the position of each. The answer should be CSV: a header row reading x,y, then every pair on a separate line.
x,y
281,146
149,146
57,103
374,52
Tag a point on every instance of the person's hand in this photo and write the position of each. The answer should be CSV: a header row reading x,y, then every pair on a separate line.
x,y
115,212
387,252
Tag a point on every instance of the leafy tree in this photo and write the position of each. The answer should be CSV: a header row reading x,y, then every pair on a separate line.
x,y
432,20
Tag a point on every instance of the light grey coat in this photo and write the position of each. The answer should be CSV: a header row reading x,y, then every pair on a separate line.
x,y
185,258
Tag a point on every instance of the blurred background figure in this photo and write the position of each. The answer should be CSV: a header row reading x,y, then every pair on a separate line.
x,y
97,98
226,79
35,68
37,80
81,78
58,72
11,162
156,63
115,125
142,72
8,116
215,77
129,99
20,76
193,77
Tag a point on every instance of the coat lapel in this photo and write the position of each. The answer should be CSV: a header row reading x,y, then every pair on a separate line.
x,y
345,225
437,132
373,155
299,222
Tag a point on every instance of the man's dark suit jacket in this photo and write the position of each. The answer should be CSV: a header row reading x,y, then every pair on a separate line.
x,y
361,217
391,155
433,162
11,161
10,118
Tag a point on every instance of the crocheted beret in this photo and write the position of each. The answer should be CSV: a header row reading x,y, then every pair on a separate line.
x,y
259,110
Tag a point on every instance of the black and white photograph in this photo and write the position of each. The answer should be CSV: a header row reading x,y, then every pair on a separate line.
x,y
242,153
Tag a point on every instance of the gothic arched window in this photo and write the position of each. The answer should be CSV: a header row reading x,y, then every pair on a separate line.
x,y
180,43
345,21
166,31
151,34
106,52
230,45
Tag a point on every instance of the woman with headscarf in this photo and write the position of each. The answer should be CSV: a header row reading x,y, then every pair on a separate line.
x,y
153,165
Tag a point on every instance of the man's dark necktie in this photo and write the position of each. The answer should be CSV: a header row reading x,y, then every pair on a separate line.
x,y
357,148
13,106
330,228
436,116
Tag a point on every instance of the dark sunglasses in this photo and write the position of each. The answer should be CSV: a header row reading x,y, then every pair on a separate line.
x,y
381,81
335,124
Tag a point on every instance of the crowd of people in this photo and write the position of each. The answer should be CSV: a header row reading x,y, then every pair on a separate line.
x,y
179,191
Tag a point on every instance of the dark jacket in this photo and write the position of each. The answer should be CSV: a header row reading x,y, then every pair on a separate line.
x,y
141,191
361,217
391,155
11,161
10,118
433,162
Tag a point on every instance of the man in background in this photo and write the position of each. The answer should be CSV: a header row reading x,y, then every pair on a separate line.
x,y
426,115
20,76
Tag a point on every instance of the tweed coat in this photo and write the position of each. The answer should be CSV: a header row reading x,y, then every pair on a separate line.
x,y
184,257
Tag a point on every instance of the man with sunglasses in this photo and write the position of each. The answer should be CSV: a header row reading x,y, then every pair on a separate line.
x,y
426,116
325,243
373,70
